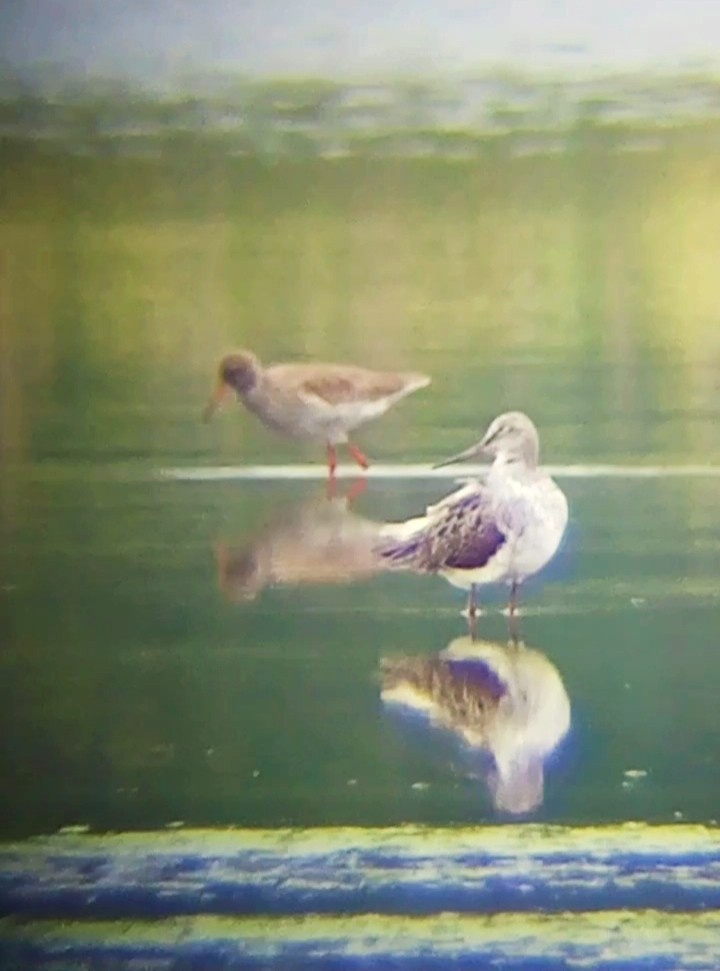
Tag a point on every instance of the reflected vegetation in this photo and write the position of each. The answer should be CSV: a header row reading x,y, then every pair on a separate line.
x,y
310,117
506,700
581,286
318,542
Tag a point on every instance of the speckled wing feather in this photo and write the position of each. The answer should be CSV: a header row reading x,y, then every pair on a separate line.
x,y
340,389
336,384
465,691
476,676
461,534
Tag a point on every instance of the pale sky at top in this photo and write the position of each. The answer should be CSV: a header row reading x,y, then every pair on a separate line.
x,y
358,37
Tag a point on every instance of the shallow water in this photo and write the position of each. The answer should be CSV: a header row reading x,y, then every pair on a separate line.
x,y
154,669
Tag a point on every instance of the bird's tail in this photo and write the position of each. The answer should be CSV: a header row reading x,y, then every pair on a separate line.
x,y
399,545
407,670
413,382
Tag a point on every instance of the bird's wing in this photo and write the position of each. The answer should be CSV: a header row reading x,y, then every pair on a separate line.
x,y
336,384
461,532
476,675
461,691
467,488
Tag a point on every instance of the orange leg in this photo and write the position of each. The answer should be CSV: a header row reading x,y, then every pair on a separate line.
x,y
332,466
332,461
357,489
358,456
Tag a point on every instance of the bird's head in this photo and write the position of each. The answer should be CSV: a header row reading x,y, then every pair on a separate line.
x,y
237,372
511,436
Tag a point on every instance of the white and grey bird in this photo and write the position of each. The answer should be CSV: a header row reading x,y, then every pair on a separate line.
x,y
500,530
509,701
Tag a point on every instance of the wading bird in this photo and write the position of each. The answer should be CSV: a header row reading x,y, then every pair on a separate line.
x,y
501,530
322,402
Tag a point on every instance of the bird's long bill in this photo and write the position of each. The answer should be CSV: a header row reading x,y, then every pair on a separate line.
x,y
219,397
475,451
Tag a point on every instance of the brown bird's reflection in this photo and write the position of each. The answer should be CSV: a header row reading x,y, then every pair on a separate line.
x,y
507,700
319,542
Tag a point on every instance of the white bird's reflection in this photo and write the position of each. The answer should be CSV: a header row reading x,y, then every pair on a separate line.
x,y
319,542
507,700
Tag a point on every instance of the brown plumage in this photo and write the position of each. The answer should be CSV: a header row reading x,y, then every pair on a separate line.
x,y
312,401
348,384
468,698
316,543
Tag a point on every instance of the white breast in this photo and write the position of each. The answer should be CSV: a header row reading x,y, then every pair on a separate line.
x,y
533,514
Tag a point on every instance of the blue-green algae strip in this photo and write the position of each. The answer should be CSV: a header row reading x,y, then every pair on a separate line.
x,y
528,839
401,870
579,940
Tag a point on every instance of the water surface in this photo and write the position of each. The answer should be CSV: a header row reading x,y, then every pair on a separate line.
x,y
142,684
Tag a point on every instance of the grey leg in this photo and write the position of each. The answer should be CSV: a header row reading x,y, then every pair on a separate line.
x,y
512,605
472,611
513,621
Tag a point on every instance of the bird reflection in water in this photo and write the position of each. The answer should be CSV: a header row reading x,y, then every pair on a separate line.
x,y
508,701
318,542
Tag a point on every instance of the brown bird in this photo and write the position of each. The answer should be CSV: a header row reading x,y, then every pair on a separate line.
x,y
312,401
317,543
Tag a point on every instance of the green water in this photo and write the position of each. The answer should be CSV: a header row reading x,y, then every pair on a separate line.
x,y
137,690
